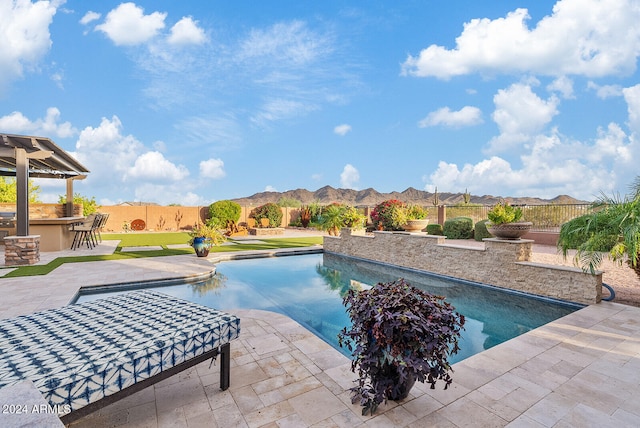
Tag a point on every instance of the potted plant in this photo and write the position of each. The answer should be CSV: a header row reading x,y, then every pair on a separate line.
x,y
331,219
352,218
416,218
399,335
504,221
203,237
389,215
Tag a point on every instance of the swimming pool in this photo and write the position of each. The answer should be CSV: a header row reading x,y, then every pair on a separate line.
x,y
309,289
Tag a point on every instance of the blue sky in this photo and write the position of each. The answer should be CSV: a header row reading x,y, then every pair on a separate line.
x,y
191,102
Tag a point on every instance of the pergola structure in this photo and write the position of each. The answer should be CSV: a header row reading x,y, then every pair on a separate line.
x,y
23,156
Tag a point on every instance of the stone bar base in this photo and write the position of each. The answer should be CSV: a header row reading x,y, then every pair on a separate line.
x,y
21,250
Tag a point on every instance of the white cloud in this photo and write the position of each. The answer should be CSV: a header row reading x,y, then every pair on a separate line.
x,y
342,129
279,109
611,143
106,152
550,167
290,43
212,168
564,86
605,91
89,17
632,97
349,177
520,114
466,116
217,132
580,37
294,68
186,32
168,194
116,160
153,166
269,188
57,78
24,36
49,127
128,25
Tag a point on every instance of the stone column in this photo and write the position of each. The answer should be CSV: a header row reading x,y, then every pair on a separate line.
x,y
21,250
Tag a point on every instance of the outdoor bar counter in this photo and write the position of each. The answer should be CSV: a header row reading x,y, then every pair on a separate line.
x,y
55,233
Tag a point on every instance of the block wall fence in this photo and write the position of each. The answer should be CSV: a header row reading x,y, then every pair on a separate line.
x,y
155,217
174,218
501,263
168,218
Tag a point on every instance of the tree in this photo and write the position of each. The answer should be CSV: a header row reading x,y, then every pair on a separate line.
x,y
613,227
221,212
8,190
89,205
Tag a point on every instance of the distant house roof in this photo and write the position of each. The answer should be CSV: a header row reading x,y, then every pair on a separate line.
x,y
46,159
136,204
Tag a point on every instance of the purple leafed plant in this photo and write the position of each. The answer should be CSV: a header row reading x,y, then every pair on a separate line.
x,y
399,335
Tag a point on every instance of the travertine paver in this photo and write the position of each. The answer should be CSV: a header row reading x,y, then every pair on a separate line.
x,y
581,370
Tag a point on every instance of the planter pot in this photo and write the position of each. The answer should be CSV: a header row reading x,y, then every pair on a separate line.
x,y
415,225
509,231
403,388
201,246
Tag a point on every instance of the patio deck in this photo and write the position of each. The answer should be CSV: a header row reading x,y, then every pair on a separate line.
x,y
581,370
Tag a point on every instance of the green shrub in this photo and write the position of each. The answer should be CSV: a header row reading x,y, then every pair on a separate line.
x,y
480,231
602,238
458,228
416,212
503,212
391,214
270,211
434,229
353,217
221,212
89,205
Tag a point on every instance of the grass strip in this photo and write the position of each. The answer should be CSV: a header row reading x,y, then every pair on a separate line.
x,y
267,244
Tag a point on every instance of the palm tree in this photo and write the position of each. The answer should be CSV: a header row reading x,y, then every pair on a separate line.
x,y
332,219
613,227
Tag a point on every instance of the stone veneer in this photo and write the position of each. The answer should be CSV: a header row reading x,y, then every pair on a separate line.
x,y
21,250
501,263
266,231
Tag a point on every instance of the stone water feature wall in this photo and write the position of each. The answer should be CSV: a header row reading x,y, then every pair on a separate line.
x,y
501,263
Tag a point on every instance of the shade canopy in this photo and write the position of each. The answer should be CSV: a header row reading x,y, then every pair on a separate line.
x,y
25,156
46,159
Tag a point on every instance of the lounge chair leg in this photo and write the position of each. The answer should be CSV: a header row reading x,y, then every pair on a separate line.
x,y
225,357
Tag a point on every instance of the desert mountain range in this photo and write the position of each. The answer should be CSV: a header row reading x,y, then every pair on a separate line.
x,y
371,197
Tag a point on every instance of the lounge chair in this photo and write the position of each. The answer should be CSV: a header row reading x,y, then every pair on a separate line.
x,y
85,356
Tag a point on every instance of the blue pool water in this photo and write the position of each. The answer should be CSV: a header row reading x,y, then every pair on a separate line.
x,y
309,289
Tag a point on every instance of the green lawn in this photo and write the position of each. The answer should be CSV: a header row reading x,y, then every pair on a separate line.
x,y
162,240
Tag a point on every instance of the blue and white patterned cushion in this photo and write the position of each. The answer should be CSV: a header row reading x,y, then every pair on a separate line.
x,y
78,354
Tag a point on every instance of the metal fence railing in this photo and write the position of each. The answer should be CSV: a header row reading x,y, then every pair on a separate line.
x,y
545,218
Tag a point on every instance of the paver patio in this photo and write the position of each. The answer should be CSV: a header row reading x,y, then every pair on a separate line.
x,y
581,370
